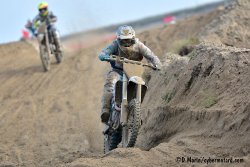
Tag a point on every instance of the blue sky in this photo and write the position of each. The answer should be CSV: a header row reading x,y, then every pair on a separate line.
x,y
78,15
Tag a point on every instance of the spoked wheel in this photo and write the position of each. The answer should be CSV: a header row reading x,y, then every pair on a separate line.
x,y
45,58
130,132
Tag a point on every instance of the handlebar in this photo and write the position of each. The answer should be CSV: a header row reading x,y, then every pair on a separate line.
x,y
124,60
47,21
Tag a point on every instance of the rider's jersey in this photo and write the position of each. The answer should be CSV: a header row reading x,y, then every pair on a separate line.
x,y
135,52
43,18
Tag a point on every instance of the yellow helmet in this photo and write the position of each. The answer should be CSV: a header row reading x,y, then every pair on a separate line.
x,y
43,8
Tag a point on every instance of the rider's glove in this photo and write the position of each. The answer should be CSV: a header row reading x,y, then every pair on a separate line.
x,y
104,57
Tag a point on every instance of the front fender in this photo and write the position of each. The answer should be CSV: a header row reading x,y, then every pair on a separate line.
x,y
137,80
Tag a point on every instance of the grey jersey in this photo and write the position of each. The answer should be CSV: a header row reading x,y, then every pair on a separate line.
x,y
136,52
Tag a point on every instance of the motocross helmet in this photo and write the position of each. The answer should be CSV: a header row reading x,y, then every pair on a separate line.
x,y
125,36
43,9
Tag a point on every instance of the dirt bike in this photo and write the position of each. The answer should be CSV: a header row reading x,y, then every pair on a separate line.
x,y
125,115
47,46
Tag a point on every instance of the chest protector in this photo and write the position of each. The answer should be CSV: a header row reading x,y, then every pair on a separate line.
x,y
131,53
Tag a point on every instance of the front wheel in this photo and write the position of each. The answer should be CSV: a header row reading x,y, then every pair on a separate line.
x,y
130,131
45,57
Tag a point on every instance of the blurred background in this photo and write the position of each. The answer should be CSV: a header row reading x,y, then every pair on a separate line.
x,y
82,15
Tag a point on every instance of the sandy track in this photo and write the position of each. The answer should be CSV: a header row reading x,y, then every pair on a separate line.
x,y
48,117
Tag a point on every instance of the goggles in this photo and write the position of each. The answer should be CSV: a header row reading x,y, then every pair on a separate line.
x,y
43,10
126,42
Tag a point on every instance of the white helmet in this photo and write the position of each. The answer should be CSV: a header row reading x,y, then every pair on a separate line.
x,y
125,32
125,35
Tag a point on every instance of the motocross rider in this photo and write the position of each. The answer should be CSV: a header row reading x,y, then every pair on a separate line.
x,y
49,18
127,46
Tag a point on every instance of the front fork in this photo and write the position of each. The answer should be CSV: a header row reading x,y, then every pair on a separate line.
x,y
124,105
47,44
138,93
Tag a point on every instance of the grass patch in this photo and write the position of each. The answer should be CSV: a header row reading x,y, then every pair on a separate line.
x,y
168,97
184,46
192,55
209,101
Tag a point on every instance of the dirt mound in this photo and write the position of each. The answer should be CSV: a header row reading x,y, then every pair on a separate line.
x,y
232,27
209,98
163,39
